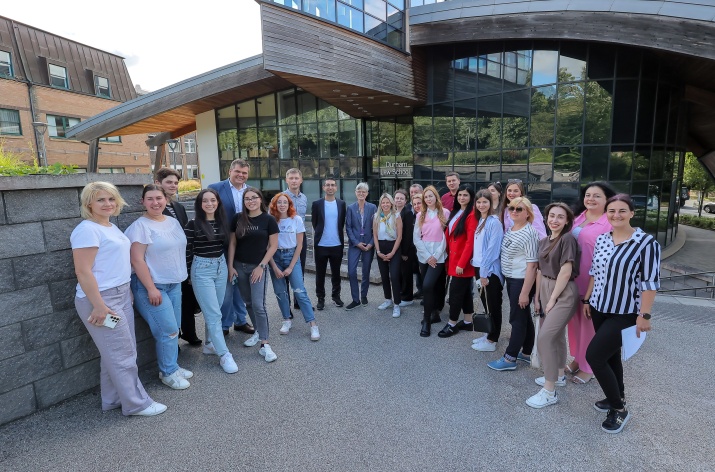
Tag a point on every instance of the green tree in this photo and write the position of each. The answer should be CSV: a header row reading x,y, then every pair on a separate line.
x,y
697,177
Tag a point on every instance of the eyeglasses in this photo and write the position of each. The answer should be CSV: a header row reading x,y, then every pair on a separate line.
x,y
251,199
514,181
516,209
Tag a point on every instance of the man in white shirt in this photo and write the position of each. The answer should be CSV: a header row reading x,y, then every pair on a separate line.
x,y
328,218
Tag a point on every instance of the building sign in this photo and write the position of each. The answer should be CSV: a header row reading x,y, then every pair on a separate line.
x,y
397,170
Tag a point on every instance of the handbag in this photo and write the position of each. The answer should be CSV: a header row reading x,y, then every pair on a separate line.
x,y
483,322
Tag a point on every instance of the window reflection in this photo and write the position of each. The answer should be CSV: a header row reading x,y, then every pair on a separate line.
x,y
569,117
544,67
489,122
543,108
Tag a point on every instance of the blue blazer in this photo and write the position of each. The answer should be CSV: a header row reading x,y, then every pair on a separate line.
x,y
224,192
353,227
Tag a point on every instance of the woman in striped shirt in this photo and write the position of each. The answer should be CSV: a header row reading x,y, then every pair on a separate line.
x,y
206,239
519,256
625,275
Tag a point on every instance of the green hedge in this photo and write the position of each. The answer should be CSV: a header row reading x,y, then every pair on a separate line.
x,y
702,222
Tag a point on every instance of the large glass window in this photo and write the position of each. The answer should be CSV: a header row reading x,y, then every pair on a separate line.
x,y
58,76
57,126
5,64
10,122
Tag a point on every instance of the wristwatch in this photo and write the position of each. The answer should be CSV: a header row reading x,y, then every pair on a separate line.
x,y
646,316
263,266
585,301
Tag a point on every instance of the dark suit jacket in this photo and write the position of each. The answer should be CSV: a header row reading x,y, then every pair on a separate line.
x,y
318,220
353,224
407,245
180,213
224,192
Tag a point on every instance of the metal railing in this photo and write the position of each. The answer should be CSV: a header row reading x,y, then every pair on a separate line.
x,y
694,284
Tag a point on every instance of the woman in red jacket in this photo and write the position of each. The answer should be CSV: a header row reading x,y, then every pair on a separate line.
x,y
460,245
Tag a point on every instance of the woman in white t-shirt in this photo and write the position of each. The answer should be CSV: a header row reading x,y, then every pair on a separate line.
x,y
101,259
158,257
285,264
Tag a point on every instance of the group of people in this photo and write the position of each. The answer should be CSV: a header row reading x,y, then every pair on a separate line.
x,y
588,272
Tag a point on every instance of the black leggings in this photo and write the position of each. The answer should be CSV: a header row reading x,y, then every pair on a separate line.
x,y
491,297
390,271
432,288
522,327
460,298
604,353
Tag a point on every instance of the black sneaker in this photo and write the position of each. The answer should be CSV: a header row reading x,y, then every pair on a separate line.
x,y
465,326
338,301
321,303
448,331
352,306
604,405
417,295
363,300
615,421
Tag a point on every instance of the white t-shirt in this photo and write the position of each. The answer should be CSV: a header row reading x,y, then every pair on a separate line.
x,y
289,228
454,220
478,247
166,248
111,267
330,236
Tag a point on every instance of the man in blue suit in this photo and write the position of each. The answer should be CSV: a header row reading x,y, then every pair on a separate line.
x,y
233,310
359,228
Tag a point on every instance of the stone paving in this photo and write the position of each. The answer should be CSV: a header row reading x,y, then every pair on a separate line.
x,y
373,395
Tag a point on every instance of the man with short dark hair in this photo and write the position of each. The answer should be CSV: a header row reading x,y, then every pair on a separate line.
x,y
452,180
328,219
233,310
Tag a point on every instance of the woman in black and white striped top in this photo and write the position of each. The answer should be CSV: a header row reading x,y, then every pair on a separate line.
x,y
625,274
206,238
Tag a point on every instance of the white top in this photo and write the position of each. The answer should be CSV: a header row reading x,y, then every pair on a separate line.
x,y
289,228
454,220
478,247
387,231
330,227
166,248
517,249
111,267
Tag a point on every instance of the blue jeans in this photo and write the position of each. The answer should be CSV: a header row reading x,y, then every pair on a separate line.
x,y
208,280
233,310
282,258
164,321
354,256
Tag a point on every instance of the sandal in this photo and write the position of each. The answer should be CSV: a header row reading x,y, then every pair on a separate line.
x,y
580,380
571,371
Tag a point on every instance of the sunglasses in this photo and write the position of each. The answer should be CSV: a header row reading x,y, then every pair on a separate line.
x,y
516,209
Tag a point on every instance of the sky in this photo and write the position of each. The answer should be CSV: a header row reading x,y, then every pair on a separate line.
x,y
162,44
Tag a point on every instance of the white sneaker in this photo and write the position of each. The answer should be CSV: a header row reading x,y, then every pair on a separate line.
x,y
407,303
175,381
209,348
385,305
267,353
560,382
228,364
286,326
314,333
484,346
542,399
252,341
187,374
479,339
152,410
396,311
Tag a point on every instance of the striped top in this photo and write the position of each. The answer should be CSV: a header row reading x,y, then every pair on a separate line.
x,y
517,249
198,245
621,272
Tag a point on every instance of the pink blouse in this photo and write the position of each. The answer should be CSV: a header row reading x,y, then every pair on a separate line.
x,y
587,241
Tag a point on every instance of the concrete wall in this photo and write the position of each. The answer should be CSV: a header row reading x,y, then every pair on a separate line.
x,y
46,354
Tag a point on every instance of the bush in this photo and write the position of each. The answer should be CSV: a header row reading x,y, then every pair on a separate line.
x,y
702,222
189,185
11,164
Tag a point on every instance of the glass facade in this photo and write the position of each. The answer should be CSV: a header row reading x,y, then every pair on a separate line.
x,y
382,20
554,114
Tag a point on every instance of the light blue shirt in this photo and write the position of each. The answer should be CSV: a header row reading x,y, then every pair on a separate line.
x,y
300,202
330,227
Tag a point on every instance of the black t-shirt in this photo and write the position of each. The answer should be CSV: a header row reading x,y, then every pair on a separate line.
x,y
252,247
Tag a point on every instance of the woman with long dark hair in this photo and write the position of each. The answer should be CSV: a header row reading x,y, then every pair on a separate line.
x,y
431,245
514,189
460,246
253,241
625,275
487,266
555,300
206,239
495,191
590,223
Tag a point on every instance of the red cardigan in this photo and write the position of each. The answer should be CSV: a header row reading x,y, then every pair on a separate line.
x,y
460,248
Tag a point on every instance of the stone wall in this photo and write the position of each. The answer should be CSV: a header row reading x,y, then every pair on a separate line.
x,y
46,354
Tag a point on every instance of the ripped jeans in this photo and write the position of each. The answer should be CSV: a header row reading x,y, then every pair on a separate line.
x,y
282,258
164,321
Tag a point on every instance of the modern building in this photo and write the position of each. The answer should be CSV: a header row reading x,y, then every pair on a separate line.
x,y
556,93
47,85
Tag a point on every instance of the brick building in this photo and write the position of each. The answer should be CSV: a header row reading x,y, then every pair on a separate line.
x,y
50,79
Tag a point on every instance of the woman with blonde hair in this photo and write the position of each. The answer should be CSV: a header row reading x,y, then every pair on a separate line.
x,y
431,244
387,234
101,258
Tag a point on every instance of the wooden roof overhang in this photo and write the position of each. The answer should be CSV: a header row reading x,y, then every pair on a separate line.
x,y
356,74
173,109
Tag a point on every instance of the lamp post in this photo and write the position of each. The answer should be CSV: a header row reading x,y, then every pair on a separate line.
x,y
172,147
40,128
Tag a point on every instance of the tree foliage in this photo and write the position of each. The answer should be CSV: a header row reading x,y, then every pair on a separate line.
x,y
697,177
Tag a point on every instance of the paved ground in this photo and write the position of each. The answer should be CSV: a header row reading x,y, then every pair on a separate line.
x,y
373,395
698,251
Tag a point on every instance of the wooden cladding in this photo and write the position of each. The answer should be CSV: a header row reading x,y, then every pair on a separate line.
x,y
340,66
